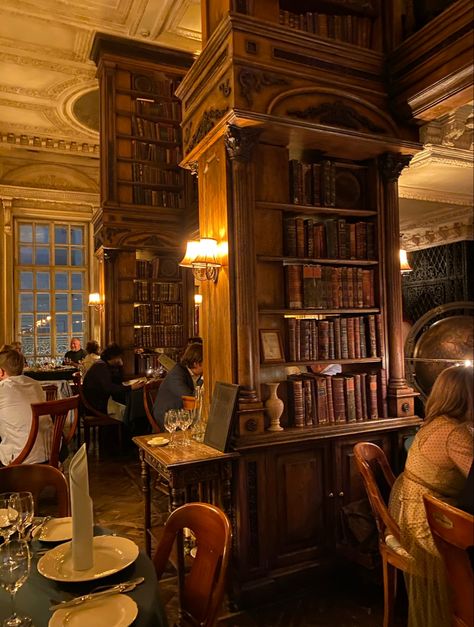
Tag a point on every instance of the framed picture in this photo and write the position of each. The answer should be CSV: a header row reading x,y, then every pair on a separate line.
x,y
221,415
271,347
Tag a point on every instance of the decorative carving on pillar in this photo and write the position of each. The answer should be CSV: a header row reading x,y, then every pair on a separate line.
x,y
193,166
254,80
225,88
400,397
206,123
337,113
240,142
7,204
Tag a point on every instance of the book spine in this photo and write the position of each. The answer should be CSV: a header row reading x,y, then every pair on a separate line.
x,y
322,400
374,351
383,409
300,248
294,286
290,236
337,338
323,334
363,390
358,397
380,336
308,402
372,396
331,418
292,339
349,394
298,402
363,337
338,399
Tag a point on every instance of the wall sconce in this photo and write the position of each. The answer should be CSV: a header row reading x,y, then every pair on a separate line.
x,y
198,299
201,256
96,301
404,265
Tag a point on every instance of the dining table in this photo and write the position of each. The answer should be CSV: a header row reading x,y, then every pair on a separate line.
x,y
35,597
59,373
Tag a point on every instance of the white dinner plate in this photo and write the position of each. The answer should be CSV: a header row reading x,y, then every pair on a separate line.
x,y
111,554
55,530
118,610
132,381
158,441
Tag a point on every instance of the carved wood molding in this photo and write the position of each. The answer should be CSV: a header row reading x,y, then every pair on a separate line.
x,y
240,142
336,113
207,122
255,80
391,165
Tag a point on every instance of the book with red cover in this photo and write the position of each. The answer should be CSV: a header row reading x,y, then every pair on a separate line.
x,y
331,418
296,399
292,339
372,396
339,403
294,286
350,338
372,337
337,338
349,395
363,337
363,390
358,397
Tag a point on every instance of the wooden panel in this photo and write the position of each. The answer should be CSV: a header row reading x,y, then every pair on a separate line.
x,y
272,174
268,233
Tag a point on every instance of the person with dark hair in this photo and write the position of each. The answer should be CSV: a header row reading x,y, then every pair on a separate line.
x,y
180,381
92,350
17,392
76,354
103,386
438,463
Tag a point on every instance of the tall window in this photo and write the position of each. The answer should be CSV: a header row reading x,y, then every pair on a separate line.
x,y
52,281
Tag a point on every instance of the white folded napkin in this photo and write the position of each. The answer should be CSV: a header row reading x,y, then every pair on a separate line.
x,y
82,515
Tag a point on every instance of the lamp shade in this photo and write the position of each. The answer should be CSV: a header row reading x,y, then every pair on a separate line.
x,y
192,249
404,265
207,251
94,299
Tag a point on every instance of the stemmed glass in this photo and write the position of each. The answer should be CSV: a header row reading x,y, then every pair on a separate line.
x,y
15,563
23,504
185,418
8,516
171,424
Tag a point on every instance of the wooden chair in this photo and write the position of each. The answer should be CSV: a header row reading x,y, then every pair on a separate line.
x,y
92,418
201,590
35,478
51,392
150,390
59,411
453,533
378,480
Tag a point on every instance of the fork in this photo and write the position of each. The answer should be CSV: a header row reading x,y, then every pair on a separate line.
x,y
39,526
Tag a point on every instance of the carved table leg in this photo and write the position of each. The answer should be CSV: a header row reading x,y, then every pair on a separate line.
x,y
145,476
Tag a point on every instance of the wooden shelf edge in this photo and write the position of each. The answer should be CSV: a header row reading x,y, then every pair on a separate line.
x,y
317,312
306,260
312,209
360,360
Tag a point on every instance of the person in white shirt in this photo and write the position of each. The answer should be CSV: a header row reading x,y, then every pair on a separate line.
x,y
92,350
17,392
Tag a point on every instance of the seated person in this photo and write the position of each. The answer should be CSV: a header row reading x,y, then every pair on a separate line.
x,y
92,350
466,498
103,386
180,381
17,392
15,346
76,354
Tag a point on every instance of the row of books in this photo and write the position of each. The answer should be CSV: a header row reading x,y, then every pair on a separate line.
x,y
354,337
153,85
155,108
155,130
353,29
316,400
147,268
328,287
159,335
329,239
158,292
157,176
312,183
157,198
158,314
156,153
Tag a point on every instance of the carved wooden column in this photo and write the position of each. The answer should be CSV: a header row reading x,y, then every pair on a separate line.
x,y
240,143
400,397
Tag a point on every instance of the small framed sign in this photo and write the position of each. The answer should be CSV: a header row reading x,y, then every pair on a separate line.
x,y
271,347
221,415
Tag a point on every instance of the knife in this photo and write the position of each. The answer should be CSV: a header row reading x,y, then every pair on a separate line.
x,y
127,586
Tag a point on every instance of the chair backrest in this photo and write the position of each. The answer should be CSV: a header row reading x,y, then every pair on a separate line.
x,y
150,390
88,408
59,412
201,590
51,392
378,480
35,478
453,533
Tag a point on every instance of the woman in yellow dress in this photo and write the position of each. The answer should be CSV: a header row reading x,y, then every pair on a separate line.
x,y
438,463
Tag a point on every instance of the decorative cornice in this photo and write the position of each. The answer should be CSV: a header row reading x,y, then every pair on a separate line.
x,y
439,225
206,123
34,194
434,196
49,144
445,234
337,113
443,155
255,80
391,165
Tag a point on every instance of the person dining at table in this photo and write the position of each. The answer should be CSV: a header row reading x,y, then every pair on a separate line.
x,y
76,353
17,392
180,381
103,383
93,355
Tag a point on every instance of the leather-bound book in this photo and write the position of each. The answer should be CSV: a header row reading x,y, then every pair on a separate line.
x,y
363,337
322,401
383,409
363,390
310,296
373,352
380,335
295,389
293,353
350,337
323,338
307,176
318,240
372,396
319,288
316,173
308,402
358,397
337,338
300,249
350,287
331,340
352,241
296,183
308,239
305,351
357,338
368,288
331,239
339,403
314,341
344,339
349,395
342,239
361,240
294,286
370,240
331,418
326,174
290,236
358,289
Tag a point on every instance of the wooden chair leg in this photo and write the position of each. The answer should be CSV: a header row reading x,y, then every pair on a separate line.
x,y
87,436
389,591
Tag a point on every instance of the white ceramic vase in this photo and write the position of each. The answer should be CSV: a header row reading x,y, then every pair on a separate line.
x,y
274,408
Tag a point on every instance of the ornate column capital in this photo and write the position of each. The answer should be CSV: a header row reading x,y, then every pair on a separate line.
x,y
7,204
240,142
391,165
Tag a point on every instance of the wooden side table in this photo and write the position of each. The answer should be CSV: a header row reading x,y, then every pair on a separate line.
x,y
193,473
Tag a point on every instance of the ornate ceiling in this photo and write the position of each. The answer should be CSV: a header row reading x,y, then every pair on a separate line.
x,y
48,104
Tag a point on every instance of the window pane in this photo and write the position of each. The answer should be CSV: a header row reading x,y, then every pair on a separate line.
x,y
77,300
77,325
44,346
42,256
77,257
60,235
62,344
77,235
62,323
62,282
43,303
43,325
26,233
27,345
42,234
77,280
42,281
60,256
26,325
26,280
60,302
26,303
26,255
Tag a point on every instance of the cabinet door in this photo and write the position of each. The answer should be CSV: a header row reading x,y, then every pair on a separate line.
x,y
297,478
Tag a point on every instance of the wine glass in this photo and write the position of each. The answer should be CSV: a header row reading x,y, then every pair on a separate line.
x,y
8,516
171,424
185,419
23,504
15,563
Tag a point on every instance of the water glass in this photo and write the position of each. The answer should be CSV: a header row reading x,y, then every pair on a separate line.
x,y
15,561
171,424
23,504
8,516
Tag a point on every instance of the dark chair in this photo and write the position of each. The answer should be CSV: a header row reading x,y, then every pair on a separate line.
x,y
150,390
51,392
453,533
201,590
378,480
35,478
59,411
92,418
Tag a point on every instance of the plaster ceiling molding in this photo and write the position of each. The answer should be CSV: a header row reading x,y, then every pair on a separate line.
x,y
179,25
50,176
79,109
444,234
48,144
35,196
455,129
